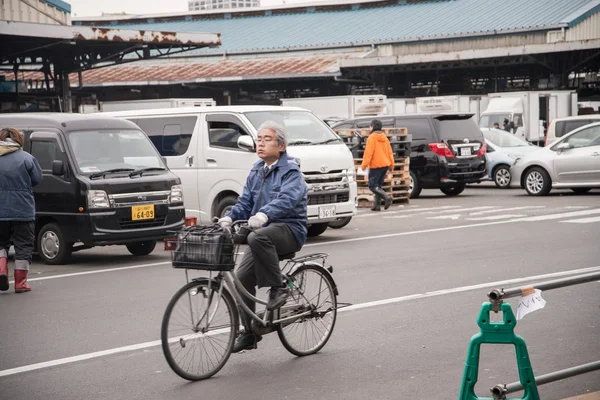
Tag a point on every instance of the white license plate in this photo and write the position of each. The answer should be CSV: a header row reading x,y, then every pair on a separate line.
x,y
327,212
465,151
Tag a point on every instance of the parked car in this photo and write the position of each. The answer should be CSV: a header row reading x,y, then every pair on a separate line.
x,y
104,184
561,126
572,162
503,148
212,149
447,150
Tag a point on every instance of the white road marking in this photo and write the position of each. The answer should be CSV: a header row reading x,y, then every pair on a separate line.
x,y
452,216
97,271
562,215
578,207
462,210
508,209
432,230
376,303
495,217
583,220
398,216
415,210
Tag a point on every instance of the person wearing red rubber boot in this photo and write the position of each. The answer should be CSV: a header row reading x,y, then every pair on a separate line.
x,y
19,173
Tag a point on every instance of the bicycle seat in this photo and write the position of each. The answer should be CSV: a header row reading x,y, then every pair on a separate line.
x,y
288,256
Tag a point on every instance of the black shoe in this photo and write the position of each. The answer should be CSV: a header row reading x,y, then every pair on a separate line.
x,y
245,341
376,203
388,202
277,297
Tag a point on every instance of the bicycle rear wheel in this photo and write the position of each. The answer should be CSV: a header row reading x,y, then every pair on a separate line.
x,y
312,293
198,330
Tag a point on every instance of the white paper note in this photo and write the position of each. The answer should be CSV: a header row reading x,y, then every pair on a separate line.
x,y
362,172
530,303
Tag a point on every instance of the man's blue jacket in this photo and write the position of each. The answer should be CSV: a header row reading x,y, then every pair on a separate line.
x,y
281,194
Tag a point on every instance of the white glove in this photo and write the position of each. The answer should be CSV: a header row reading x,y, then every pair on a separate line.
x,y
225,222
258,220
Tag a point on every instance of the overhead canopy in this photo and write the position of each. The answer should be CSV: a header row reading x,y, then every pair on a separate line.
x,y
58,50
77,48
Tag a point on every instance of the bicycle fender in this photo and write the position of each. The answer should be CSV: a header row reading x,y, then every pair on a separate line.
x,y
322,268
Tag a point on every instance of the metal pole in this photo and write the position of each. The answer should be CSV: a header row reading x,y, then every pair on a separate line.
x,y
505,389
496,295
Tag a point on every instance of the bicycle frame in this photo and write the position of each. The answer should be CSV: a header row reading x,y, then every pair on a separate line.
x,y
229,280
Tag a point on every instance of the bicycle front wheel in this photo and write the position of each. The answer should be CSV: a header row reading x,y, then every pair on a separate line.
x,y
198,330
314,301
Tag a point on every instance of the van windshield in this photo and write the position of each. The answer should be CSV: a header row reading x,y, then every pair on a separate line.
x,y
302,127
103,150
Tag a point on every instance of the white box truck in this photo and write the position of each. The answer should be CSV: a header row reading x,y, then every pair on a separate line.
x,y
436,104
128,105
337,108
529,112
455,104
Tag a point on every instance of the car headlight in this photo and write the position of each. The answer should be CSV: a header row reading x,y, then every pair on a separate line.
x,y
176,195
97,199
350,174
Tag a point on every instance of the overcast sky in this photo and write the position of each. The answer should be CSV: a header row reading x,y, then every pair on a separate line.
x,y
84,8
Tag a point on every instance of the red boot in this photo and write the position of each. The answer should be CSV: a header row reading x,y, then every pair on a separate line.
x,y
21,285
3,273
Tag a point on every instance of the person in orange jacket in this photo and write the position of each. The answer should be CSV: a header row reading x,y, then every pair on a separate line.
x,y
379,158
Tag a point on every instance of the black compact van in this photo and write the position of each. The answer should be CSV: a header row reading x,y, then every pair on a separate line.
x,y
104,183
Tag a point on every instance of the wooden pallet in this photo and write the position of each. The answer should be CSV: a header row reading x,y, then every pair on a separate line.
x,y
396,184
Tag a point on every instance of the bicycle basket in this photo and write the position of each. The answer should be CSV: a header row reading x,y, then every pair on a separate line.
x,y
202,247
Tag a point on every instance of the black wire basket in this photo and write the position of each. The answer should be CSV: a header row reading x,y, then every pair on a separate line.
x,y
208,247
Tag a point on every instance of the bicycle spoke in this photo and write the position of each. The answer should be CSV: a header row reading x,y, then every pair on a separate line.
x,y
195,347
313,293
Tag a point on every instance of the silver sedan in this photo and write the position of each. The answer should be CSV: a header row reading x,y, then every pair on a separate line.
x,y
573,162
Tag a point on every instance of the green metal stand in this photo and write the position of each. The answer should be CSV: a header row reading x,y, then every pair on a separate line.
x,y
497,333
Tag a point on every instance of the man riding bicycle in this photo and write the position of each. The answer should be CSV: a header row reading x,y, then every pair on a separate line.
x,y
274,202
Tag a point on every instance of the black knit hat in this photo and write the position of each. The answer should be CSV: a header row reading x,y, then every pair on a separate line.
x,y
376,124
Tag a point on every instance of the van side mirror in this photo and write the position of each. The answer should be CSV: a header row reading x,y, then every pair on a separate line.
x,y
246,142
58,167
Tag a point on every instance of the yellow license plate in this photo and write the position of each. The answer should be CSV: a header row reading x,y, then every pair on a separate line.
x,y
142,212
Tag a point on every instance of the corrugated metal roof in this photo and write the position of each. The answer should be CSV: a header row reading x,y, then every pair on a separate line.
x,y
397,23
143,73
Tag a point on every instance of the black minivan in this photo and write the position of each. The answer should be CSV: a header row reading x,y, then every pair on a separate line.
x,y
104,184
447,150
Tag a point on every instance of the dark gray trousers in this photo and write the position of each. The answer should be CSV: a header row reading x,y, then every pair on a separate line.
x,y
260,262
22,235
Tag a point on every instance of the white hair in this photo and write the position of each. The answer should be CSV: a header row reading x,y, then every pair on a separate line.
x,y
278,129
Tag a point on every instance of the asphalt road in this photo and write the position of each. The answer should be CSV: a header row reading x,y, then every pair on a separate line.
x,y
416,276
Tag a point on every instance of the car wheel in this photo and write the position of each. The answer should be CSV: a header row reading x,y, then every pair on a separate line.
x,y
414,188
537,182
142,248
340,222
453,190
224,206
502,177
581,190
317,229
51,245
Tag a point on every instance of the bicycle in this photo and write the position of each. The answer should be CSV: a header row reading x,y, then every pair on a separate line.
x,y
201,321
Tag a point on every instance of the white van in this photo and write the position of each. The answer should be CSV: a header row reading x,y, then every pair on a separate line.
x,y
561,126
200,145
